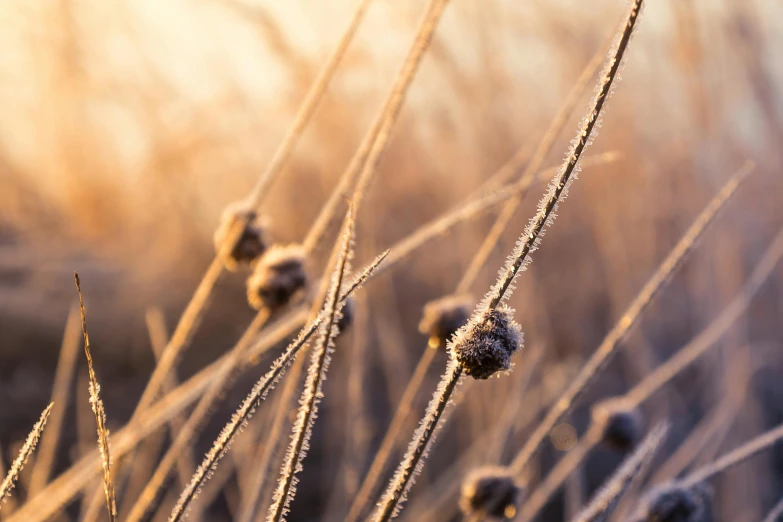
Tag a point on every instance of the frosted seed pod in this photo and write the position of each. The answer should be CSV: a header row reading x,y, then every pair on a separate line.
x,y
442,318
252,241
278,276
485,345
676,503
491,492
621,423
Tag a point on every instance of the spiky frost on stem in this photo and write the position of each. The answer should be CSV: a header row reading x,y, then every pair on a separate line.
x,y
316,374
23,455
100,414
558,189
601,507
611,342
259,392
412,462
735,456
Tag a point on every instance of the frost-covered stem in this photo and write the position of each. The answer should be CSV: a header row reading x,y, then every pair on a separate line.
x,y
604,503
776,512
543,148
636,308
312,393
735,456
473,207
24,454
564,467
306,110
100,414
377,135
529,240
712,333
196,419
381,458
70,483
413,460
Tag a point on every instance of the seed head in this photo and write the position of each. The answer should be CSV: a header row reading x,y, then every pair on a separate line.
x,y
485,345
278,276
621,423
251,243
491,492
442,318
676,503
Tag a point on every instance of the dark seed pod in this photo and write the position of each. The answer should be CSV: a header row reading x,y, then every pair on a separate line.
x,y
278,276
676,503
485,345
620,421
348,312
251,243
442,318
491,492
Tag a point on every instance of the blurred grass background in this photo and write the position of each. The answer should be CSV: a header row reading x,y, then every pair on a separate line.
x,y
128,126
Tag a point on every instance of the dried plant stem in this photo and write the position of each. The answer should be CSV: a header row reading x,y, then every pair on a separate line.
x,y
400,483
413,460
776,513
24,453
100,414
61,391
612,341
188,322
268,450
543,148
259,392
439,497
368,154
156,327
70,483
475,206
307,109
558,188
193,313
381,458
602,506
316,374
196,419
734,457
694,444
564,467
707,338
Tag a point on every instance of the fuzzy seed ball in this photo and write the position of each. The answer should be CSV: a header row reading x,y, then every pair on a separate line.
x,y
485,345
278,276
621,423
442,318
251,243
490,492
676,503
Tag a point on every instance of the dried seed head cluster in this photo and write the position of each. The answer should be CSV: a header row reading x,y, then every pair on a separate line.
x,y
485,345
491,492
676,503
251,243
442,318
621,423
279,275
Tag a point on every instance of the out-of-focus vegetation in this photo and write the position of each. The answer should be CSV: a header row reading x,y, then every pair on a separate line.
x,y
127,127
